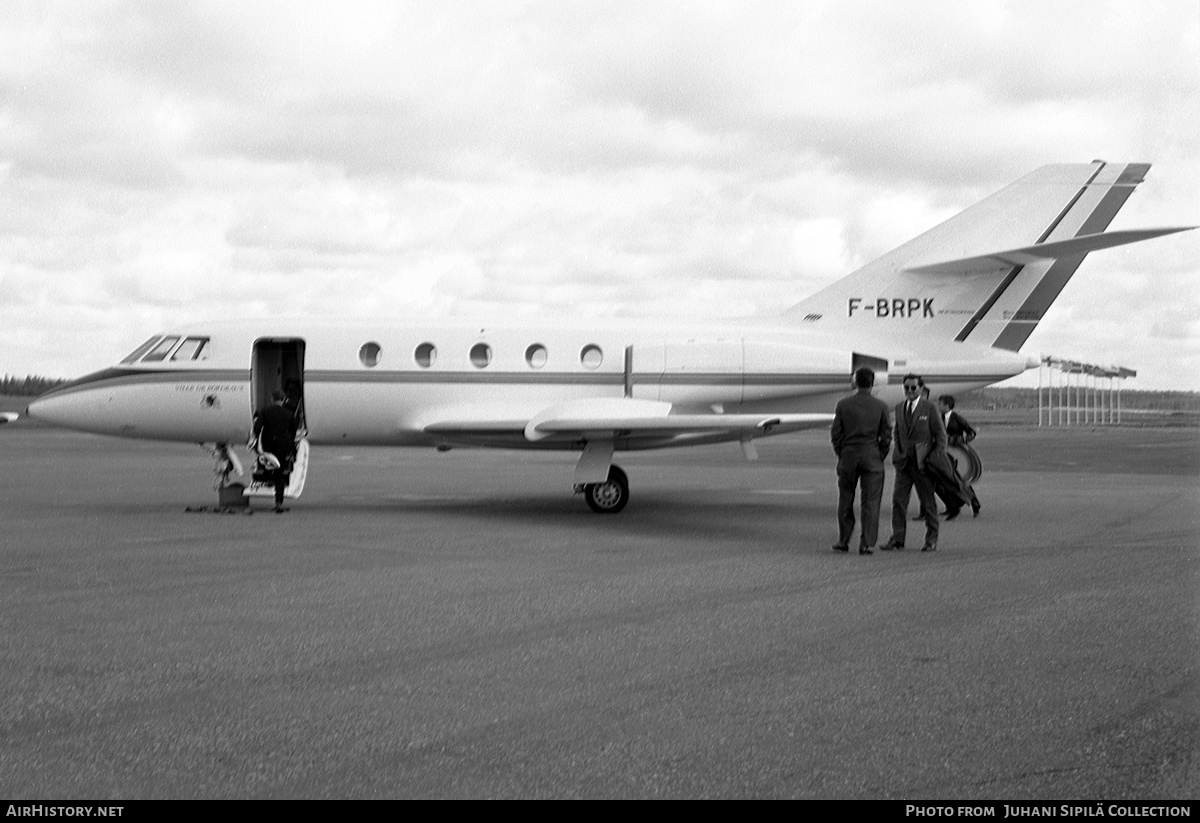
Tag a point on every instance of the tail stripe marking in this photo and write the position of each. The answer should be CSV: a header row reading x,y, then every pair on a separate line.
x,y
1012,275
1026,318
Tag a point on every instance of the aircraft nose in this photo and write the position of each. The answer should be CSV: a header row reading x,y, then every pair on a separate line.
x,y
46,411
85,403
74,409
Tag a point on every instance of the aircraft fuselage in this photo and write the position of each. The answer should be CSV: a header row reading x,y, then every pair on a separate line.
x,y
386,383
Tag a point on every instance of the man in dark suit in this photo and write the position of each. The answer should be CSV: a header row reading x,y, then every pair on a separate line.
x,y
276,432
943,474
958,430
861,436
919,433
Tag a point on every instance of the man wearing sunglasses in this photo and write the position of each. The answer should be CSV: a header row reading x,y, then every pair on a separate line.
x,y
919,433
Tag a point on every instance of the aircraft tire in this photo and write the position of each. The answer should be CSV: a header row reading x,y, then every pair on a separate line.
x,y
610,496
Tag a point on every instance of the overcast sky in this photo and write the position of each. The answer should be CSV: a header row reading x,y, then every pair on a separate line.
x,y
165,162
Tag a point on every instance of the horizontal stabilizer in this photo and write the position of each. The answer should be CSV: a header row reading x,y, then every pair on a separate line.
x,y
1053,250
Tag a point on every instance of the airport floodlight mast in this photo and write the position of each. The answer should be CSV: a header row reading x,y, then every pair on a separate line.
x,y
1086,393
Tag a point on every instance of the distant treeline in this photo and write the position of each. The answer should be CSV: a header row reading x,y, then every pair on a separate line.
x,y
1163,401
30,386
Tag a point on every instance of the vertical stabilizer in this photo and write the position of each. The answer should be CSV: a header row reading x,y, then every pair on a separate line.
x,y
955,282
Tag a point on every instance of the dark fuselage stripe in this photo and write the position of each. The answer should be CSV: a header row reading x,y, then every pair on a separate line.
x,y
138,377
113,378
564,379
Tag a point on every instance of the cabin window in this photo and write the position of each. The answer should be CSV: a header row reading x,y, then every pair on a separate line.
x,y
369,354
425,355
591,357
193,348
481,355
536,356
160,352
140,350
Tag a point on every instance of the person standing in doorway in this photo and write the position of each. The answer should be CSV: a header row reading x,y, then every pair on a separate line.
x,y
275,429
861,435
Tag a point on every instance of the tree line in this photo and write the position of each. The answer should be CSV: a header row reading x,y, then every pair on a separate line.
x,y
1165,401
28,386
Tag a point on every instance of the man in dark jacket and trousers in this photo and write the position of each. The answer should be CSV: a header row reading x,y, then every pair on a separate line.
x,y
920,434
275,428
861,436
958,431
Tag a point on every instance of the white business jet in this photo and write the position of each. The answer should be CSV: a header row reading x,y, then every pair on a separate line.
x,y
954,305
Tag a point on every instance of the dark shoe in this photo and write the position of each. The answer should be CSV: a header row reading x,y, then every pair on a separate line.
x,y
892,546
281,509
953,513
975,507
840,547
929,547
864,550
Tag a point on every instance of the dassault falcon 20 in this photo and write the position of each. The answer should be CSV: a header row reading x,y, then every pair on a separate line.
x,y
955,305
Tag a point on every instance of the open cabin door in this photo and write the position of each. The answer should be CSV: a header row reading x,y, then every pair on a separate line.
x,y
277,364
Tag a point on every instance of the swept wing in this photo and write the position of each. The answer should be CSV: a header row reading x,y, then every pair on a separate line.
x,y
627,420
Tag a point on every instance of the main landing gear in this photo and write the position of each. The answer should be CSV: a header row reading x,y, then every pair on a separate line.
x,y
608,496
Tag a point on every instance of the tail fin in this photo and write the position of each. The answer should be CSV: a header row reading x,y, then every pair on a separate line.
x,y
989,273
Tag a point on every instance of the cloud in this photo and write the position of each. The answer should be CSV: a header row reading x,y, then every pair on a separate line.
x,y
161,162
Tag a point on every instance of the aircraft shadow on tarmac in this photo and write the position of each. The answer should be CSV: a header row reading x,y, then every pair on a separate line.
x,y
656,513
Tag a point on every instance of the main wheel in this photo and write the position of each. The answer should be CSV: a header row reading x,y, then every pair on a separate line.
x,y
610,496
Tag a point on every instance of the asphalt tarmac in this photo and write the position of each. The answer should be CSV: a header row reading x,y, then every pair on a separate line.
x,y
459,625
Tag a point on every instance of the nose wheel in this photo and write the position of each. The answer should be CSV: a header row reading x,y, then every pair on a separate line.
x,y
610,496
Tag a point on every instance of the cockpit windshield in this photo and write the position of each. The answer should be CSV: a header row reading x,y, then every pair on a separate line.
x,y
192,348
137,353
159,348
160,352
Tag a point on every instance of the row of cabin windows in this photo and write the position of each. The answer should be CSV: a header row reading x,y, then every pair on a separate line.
x,y
425,355
157,350
176,349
